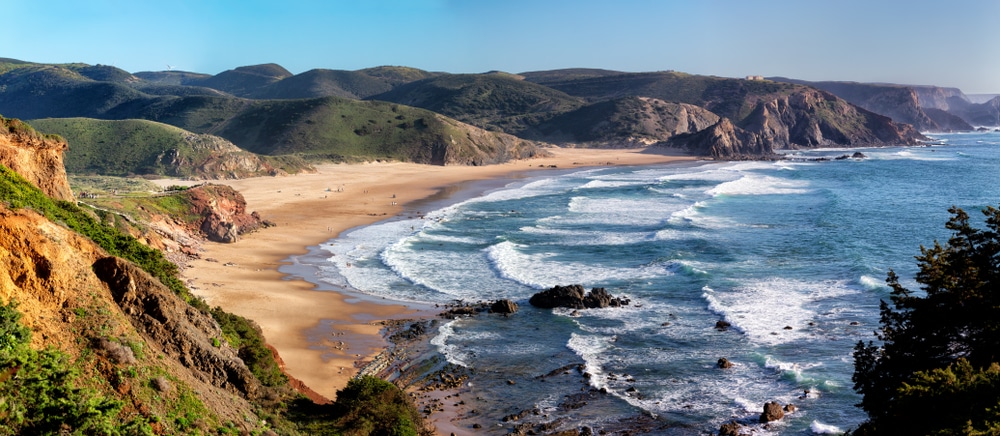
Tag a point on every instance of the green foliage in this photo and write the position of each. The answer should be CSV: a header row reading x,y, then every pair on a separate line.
x,y
490,101
128,147
38,393
247,338
372,406
939,350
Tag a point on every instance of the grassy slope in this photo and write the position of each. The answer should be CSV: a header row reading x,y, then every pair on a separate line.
x,y
494,101
336,128
129,147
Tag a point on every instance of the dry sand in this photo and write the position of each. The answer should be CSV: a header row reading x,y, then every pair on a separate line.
x,y
321,334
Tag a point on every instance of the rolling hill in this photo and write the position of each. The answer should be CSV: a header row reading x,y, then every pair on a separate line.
x,y
141,147
320,128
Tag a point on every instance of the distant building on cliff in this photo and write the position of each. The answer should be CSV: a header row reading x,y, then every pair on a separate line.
x,y
755,78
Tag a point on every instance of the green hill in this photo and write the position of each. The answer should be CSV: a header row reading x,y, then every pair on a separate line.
x,y
140,147
324,83
493,101
244,81
343,129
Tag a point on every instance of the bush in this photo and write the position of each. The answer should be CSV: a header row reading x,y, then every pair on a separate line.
x,y
38,393
371,406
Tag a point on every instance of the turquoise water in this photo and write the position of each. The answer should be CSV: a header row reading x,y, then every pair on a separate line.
x,y
792,253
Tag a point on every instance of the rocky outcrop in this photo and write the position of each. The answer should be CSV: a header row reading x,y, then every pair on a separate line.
x,y
627,122
184,332
772,412
573,297
36,157
806,118
223,213
901,103
811,118
723,140
213,157
503,307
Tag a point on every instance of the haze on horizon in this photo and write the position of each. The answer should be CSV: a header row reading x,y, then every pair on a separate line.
x,y
917,42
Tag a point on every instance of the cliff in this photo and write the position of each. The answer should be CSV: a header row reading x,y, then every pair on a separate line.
x,y
901,103
150,346
163,363
38,158
811,118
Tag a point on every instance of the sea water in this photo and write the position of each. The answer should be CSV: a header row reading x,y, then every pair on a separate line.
x,y
792,253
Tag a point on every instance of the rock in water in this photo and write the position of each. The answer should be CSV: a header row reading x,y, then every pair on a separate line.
x,y
724,363
772,412
730,428
505,307
573,297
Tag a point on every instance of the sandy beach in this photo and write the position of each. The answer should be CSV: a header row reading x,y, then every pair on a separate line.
x,y
321,334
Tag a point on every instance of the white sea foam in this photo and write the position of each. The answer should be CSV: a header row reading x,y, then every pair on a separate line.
x,y
591,348
761,309
598,184
541,270
871,283
618,211
456,355
820,428
756,184
793,369
447,271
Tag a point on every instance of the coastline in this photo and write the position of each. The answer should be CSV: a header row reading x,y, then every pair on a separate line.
x,y
323,333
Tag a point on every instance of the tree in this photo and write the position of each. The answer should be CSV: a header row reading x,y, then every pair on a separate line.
x,y
935,371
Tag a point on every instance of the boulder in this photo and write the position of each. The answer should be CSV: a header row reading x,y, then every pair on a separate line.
x,y
573,297
772,412
724,363
505,307
730,428
859,155
722,325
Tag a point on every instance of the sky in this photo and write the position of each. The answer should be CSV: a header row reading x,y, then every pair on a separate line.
x,y
919,42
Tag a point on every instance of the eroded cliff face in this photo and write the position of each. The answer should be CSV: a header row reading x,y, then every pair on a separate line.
x,y
77,299
38,158
813,118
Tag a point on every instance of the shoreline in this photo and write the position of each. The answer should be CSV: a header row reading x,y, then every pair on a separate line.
x,y
324,333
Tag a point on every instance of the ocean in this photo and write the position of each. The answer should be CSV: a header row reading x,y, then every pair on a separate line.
x,y
792,253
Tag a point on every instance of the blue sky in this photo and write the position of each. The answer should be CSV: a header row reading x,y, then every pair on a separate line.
x,y
951,43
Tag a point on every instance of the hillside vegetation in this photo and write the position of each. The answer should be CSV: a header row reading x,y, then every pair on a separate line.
x,y
285,126
140,147
98,335
267,109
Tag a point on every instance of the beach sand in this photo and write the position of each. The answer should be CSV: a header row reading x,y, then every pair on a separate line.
x,y
321,334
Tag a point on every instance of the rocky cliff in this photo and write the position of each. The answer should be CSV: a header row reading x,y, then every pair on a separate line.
x,y
901,103
141,338
723,140
132,338
38,158
812,118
